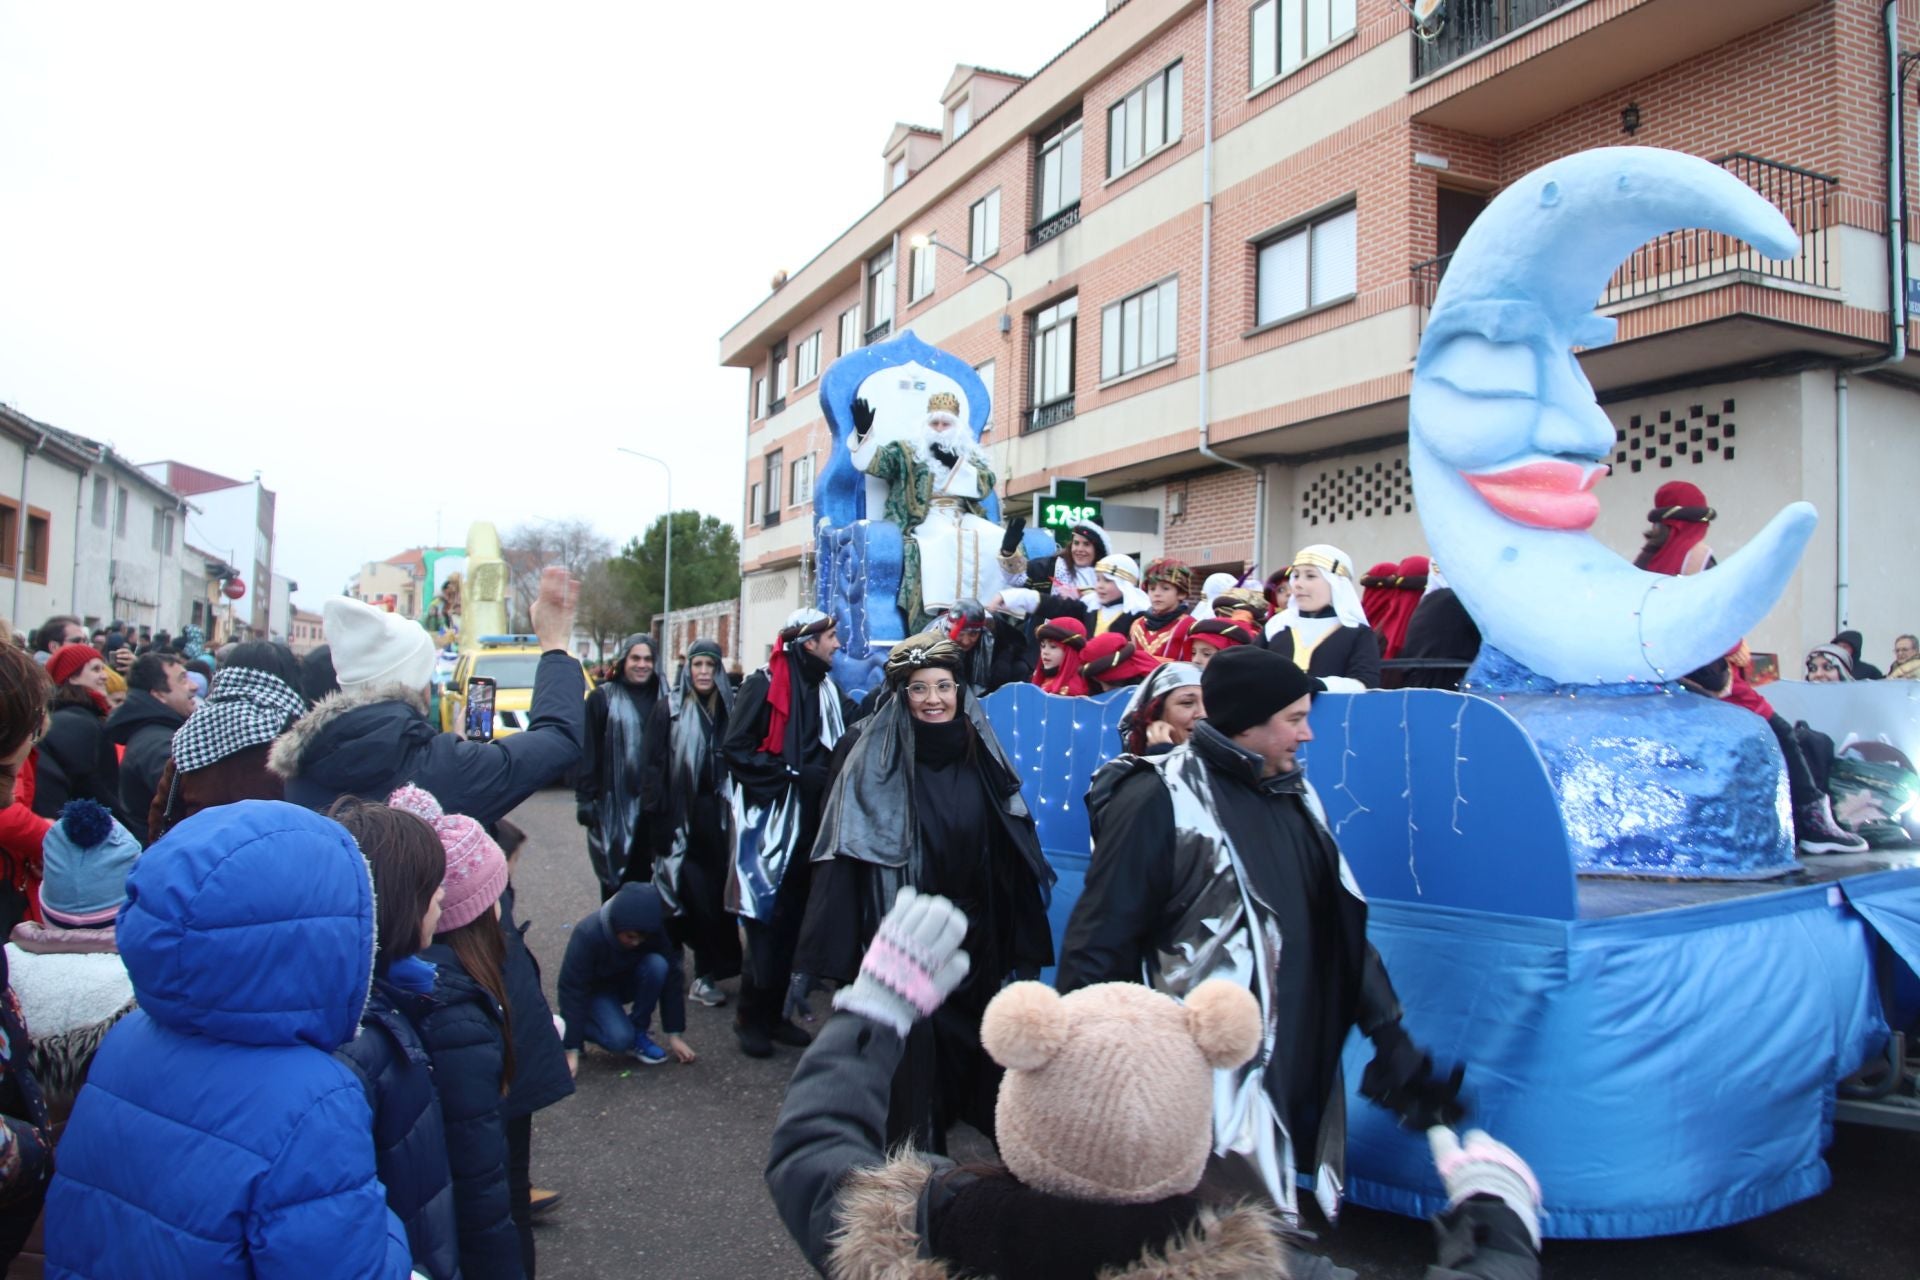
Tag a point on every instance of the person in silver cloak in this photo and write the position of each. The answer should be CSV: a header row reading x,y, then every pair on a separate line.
x,y
1203,859
786,720
925,798
606,788
688,801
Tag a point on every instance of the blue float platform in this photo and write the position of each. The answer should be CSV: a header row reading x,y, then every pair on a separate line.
x,y
1663,1052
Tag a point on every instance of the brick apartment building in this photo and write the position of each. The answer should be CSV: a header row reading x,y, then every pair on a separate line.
x,y
1347,154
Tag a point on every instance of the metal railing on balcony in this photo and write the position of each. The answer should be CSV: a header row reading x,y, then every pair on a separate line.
x,y
1053,226
1043,416
876,333
1691,255
1680,257
1465,25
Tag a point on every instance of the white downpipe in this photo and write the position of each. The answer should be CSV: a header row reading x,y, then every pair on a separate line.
x,y
1896,320
1206,313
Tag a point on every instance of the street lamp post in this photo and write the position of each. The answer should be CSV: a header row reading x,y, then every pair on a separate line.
x,y
932,240
666,602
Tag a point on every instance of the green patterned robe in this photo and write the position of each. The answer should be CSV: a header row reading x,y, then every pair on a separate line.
x,y
909,499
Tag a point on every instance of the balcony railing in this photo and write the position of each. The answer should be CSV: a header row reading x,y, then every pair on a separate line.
x,y
878,332
1053,226
1050,415
1466,25
1691,255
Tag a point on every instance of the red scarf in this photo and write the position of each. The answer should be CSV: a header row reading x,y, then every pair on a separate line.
x,y
779,697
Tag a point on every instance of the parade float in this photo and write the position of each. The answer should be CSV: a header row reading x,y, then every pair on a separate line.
x,y
1581,874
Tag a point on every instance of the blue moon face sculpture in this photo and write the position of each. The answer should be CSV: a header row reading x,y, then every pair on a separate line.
x,y
1507,442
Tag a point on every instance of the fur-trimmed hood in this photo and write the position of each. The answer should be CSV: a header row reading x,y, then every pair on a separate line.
x,y
878,1237
367,725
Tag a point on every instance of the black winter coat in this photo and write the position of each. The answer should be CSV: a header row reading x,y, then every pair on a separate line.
x,y
463,1036
409,1136
144,725
370,742
540,1075
1353,652
76,761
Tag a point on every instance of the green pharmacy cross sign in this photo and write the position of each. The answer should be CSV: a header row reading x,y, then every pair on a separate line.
x,y
1065,504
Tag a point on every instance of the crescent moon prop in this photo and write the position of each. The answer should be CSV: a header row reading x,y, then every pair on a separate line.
x,y
1506,440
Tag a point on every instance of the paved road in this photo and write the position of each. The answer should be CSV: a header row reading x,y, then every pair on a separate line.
x,y
661,1166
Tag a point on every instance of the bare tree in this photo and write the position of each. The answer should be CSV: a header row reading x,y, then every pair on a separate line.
x,y
607,613
528,548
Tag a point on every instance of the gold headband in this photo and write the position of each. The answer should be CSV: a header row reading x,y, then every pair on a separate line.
x,y
1319,561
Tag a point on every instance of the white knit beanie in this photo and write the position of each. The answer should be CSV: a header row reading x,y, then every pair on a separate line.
x,y
373,647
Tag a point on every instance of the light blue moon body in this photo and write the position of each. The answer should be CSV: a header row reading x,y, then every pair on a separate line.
x,y
1497,385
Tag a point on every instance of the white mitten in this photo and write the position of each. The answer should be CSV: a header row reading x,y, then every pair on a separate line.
x,y
1480,1166
913,965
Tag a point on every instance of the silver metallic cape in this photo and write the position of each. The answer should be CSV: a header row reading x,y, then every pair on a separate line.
x,y
871,814
616,812
690,738
1225,933
765,837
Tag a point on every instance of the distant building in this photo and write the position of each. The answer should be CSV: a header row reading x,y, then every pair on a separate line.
x,y
41,474
234,520
719,622
102,538
304,632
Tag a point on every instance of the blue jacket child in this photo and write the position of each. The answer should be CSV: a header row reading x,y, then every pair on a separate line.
x,y
217,1135
409,1135
619,965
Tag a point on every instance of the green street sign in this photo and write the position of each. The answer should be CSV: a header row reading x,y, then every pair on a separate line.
x,y
1064,504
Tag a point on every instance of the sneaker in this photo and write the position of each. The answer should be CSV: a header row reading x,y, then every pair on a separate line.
x,y
753,1039
787,1033
649,1053
539,1201
1817,832
706,993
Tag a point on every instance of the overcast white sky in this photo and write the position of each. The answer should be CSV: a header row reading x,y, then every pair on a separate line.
x,y
425,263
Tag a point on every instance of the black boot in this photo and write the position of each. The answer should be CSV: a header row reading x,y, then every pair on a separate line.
x,y
750,1023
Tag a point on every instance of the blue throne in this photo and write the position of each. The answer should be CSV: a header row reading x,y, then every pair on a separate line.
x,y
858,550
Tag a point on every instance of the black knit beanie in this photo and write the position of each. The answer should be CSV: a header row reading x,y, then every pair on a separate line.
x,y
1244,686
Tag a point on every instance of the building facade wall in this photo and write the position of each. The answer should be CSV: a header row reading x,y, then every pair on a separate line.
x,y
1319,399
129,570
52,491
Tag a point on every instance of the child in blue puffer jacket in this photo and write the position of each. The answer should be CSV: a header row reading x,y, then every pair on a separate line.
x,y
409,1131
217,1135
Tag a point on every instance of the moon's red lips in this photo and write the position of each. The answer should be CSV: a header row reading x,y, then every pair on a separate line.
x,y
1546,495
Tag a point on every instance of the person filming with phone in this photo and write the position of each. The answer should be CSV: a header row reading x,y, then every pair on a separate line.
x,y
374,737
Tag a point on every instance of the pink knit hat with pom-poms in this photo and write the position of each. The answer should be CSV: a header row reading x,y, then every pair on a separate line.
x,y
476,869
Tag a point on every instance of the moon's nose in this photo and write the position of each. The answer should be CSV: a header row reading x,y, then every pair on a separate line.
x,y
1571,424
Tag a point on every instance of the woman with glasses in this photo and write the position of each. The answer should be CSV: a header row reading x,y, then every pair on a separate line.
x,y
926,798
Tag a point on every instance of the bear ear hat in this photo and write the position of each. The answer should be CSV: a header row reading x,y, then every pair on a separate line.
x,y
1024,1026
1224,1020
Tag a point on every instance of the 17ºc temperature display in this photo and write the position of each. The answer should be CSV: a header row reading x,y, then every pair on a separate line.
x,y
1060,515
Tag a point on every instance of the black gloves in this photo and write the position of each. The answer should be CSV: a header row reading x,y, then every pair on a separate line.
x,y
583,812
862,420
947,457
1401,1079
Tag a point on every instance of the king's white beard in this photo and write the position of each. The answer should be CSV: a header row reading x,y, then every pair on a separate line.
x,y
954,438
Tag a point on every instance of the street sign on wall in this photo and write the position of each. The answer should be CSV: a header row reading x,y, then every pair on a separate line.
x,y
1065,504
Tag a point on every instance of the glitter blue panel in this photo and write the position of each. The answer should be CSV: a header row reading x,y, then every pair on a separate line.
x,y
1663,1073
1056,744
1671,785
1440,798
860,562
